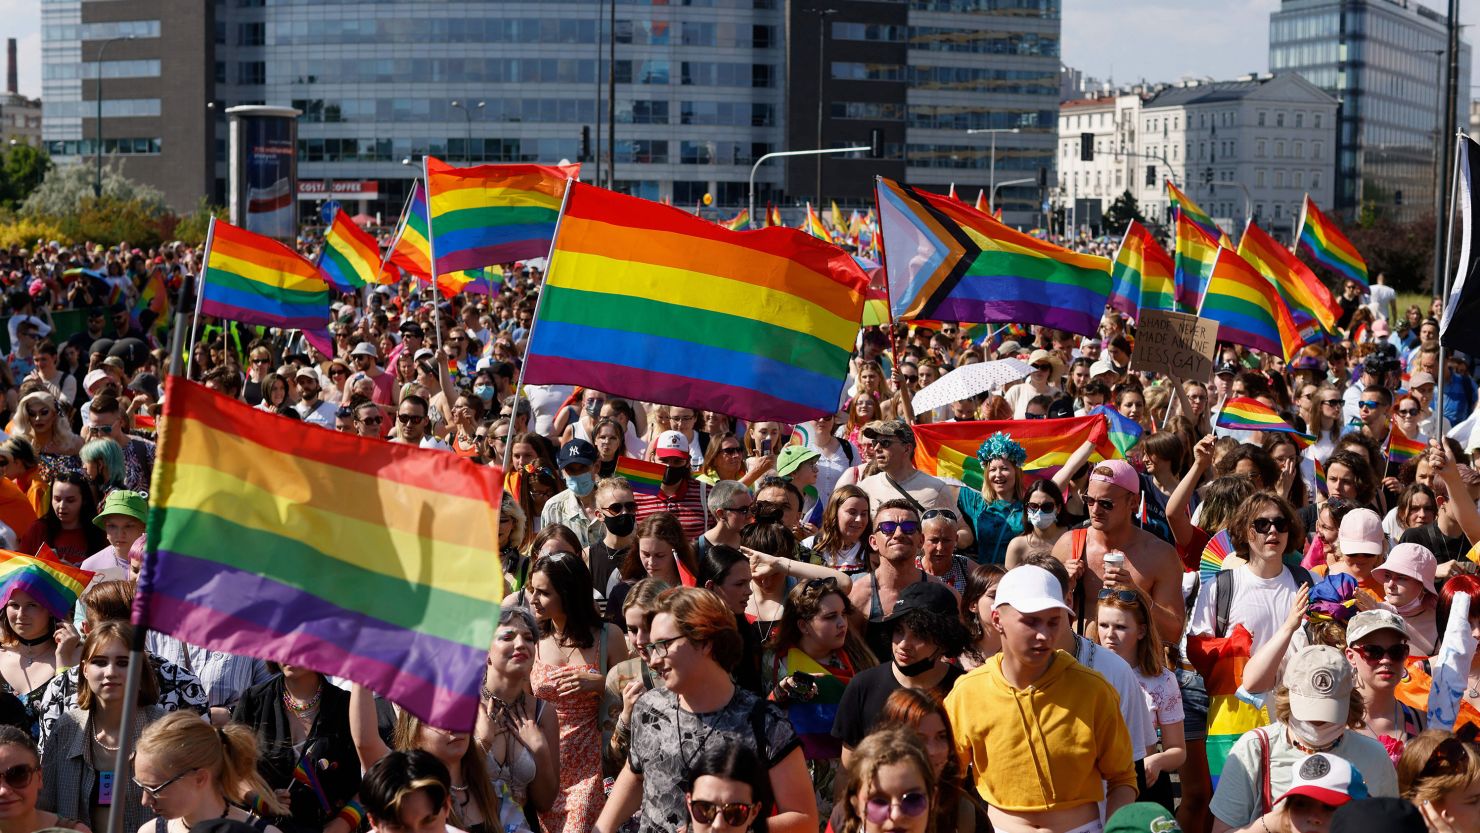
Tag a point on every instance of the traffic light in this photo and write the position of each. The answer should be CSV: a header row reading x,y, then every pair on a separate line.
x,y
585,142
1043,177
876,143
1086,147
1208,176
1150,176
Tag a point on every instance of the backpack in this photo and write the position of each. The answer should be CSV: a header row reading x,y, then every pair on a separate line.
x,y
1222,606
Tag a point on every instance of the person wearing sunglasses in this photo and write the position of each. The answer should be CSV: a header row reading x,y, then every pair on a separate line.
x,y
890,784
369,422
413,426
20,786
1440,773
1374,411
1378,646
727,790
1409,416
189,771
895,477
1042,505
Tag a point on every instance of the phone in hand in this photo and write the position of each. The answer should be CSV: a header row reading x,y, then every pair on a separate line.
x,y
765,446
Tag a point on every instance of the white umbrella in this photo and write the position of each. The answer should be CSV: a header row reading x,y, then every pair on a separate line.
x,y
969,380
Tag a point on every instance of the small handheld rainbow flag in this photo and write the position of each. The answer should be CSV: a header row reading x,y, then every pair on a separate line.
x,y
1247,414
155,298
1401,449
1320,470
643,476
1183,206
54,585
1124,431
482,214
1323,241
812,224
739,222
981,202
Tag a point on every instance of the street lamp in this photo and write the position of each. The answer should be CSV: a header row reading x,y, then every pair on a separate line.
x,y
467,112
992,167
779,153
992,197
98,180
822,16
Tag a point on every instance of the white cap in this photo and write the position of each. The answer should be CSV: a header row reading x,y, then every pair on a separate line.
x,y
1030,589
365,348
1101,366
671,444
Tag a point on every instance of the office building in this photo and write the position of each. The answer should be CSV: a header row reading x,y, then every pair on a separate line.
x,y
1383,60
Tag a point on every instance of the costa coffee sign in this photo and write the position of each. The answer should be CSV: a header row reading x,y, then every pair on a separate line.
x,y
348,189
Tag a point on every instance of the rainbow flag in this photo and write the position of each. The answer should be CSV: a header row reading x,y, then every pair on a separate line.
x,y
813,719
640,298
326,527
948,449
155,297
1302,290
739,222
1248,308
471,281
1124,431
1142,274
1323,241
54,585
997,214
350,257
1248,414
1193,258
645,477
257,280
1183,206
812,224
411,250
492,213
773,216
875,308
1401,449
948,262
1320,471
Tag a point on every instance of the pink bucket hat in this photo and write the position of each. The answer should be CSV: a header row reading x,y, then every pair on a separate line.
x,y
1412,560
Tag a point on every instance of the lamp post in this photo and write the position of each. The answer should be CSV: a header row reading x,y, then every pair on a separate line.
x,y
775,154
98,179
992,166
822,16
468,116
992,196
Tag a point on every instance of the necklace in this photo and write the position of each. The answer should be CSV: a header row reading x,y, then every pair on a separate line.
x,y
302,707
31,643
98,738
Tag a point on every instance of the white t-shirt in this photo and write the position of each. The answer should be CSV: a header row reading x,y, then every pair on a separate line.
x,y
1122,677
545,402
1260,605
1380,299
830,466
931,492
1237,799
323,415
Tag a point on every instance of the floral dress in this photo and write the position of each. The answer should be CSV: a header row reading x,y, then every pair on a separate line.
x,y
580,799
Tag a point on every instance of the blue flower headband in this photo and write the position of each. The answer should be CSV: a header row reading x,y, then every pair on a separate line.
x,y
1003,446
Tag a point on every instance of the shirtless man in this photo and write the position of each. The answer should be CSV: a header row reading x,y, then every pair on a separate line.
x,y
1150,563
897,538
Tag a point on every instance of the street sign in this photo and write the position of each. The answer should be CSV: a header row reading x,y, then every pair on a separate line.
x,y
327,210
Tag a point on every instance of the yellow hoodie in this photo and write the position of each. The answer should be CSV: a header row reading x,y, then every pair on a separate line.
x,y
1045,747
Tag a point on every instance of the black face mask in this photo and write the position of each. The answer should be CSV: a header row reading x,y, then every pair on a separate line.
x,y
674,475
621,525
915,669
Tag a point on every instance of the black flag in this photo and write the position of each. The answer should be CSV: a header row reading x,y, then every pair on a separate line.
x,y
1458,330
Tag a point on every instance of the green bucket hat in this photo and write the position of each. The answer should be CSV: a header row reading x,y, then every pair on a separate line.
x,y
122,502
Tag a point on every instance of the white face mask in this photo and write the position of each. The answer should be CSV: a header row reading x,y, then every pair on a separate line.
x,y
1042,520
1321,736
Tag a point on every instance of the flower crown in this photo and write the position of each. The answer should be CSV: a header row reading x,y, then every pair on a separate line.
x,y
1001,445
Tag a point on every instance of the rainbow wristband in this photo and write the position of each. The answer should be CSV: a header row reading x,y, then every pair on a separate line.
x,y
352,813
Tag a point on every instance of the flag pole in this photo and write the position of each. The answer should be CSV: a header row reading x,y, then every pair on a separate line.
x,y
400,229
200,284
432,266
1444,297
534,321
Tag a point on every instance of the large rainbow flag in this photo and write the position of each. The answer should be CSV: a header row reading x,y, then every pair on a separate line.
x,y
1193,257
1301,288
1183,206
488,214
1142,276
54,585
257,280
813,718
1248,308
641,298
411,250
948,449
1323,241
351,556
949,262
350,257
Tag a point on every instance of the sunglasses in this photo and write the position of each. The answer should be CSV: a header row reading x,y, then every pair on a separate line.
x,y
1375,653
627,508
735,813
1408,412
1369,405
738,510
375,420
1330,403
879,808
907,527
884,442
409,419
1127,596
101,429
1104,503
1046,506
1264,525
19,776
261,361
153,792
733,450
1451,756
940,513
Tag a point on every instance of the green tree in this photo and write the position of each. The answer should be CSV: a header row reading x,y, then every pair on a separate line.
x,y
65,189
193,226
1122,212
23,170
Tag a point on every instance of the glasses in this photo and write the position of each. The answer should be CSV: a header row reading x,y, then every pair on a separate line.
x,y
409,419
101,429
261,361
19,776
1330,403
374,420
940,513
734,813
689,418
1451,756
1035,416
658,648
891,527
1127,596
879,808
883,442
339,371
1045,507
738,510
1264,525
1369,405
1106,504
626,508
1408,412
732,450
1375,653
152,792
828,583
909,378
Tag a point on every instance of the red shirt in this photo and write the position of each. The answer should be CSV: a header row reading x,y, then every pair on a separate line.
x,y
687,506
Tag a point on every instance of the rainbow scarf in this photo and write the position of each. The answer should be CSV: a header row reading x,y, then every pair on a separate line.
x,y
54,585
813,720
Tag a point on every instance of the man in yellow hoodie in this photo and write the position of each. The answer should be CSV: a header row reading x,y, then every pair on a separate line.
x,y
1043,733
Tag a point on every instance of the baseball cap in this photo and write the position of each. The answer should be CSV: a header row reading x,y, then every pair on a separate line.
x,y
123,502
1361,533
309,371
1378,815
792,457
672,445
93,377
1009,348
1412,560
1419,379
576,451
894,429
364,348
1371,621
1116,473
929,596
1319,679
1328,779
424,353
1227,368
1029,589
1101,366
1380,328
1143,817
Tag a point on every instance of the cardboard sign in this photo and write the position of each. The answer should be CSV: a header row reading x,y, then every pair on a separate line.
x,y
1175,344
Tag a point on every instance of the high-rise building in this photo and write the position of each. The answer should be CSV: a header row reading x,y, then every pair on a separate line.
x,y
1384,61
20,117
703,90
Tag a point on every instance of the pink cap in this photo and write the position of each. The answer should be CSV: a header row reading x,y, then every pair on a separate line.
x,y
1361,533
1412,560
1117,473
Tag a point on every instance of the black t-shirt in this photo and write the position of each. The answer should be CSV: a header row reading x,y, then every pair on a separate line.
x,y
1349,307
1444,547
863,700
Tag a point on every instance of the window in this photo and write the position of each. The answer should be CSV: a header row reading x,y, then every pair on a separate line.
x,y
1279,149
1259,178
251,72
251,34
848,71
1299,179
1279,121
1318,121
1315,178
1299,150
1315,150
1260,120
1279,179
1299,119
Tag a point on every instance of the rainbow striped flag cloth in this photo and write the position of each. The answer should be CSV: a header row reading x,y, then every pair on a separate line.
x,y
1320,471
948,262
1248,414
54,585
981,202
1124,431
875,308
1193,257
1401,449
773,216
1320,238
257,280
641,298
1248,308
411,250
1142,276
1183,206
812,224
471,281
326,528
739,222
155,298
644,476
1303,291
486,214
350,257
813,719
948,449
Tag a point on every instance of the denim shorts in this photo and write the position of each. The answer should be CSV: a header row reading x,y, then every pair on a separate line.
x,y
1194,703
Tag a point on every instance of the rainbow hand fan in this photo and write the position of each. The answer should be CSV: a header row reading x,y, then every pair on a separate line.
x,y
1211,563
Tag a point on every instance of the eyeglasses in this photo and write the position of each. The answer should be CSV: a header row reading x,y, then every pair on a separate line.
x,y
940,513
1045,506
1127,596
689,418
883,442
1407,412
891,527
101,429
732,450
626,508
1330,403
879,808
19,776
1106,504
374,420
409,419
735,814
658,648
1035,416
1369,405
1264,525
738,510
153,792
1375,653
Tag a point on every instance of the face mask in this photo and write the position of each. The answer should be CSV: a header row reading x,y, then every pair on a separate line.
x,y
915,669
1041,520
484,392
622,525
581,484
1321,737
674,475
593,407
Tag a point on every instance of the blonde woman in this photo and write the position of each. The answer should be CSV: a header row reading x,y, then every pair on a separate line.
x,y
40,422
189,772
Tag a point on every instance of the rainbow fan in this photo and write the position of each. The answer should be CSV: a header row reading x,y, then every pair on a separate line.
x,y
1211,563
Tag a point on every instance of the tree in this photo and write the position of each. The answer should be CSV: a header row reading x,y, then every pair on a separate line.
x,y
66,188
193,226
24,169
1122,212
1405,251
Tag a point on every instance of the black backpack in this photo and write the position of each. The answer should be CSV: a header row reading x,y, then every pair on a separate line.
x,y
1223,581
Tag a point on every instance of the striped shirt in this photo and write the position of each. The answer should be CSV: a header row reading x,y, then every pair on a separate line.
x,y
224,676
687,506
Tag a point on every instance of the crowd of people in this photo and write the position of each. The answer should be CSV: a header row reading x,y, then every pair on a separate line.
x,y
798,629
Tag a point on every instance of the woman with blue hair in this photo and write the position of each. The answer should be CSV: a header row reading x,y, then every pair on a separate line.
x,y
102,462
996,511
